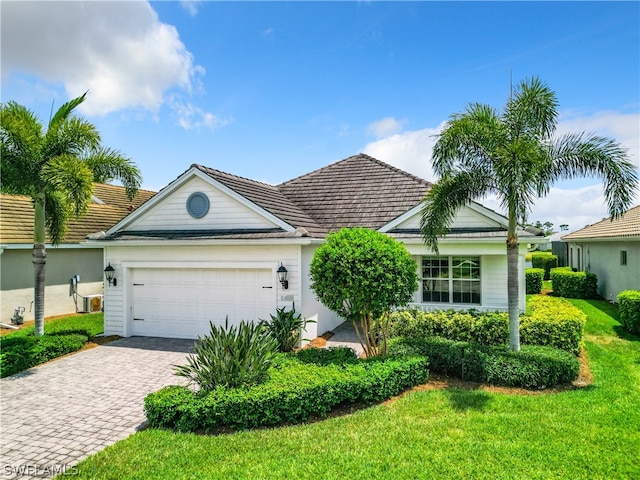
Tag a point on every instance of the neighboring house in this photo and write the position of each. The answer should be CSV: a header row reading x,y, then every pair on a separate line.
x,y
209,245
554,244
611,250
109,205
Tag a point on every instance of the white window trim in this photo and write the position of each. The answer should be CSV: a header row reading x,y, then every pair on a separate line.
x,y
450,279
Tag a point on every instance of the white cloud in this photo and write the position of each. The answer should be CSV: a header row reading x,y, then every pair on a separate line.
x,y
576,205
623,127
190,6
410,151
385,127
119,51
191,117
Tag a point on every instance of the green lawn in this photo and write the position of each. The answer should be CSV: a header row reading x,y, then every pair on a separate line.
x,y
90,324
589,433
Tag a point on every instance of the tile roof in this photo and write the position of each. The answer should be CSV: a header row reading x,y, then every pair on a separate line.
x,y
16,214
628,225
267,197
359,191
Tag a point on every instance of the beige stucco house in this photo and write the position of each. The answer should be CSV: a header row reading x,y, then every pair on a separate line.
x,y
611,250
65,261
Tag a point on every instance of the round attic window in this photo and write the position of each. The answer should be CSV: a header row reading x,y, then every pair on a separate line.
x,y
197,204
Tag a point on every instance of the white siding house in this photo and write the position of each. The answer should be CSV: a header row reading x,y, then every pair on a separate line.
x,y
207,248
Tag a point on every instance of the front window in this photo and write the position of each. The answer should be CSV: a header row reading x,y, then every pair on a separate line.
x,y
451,279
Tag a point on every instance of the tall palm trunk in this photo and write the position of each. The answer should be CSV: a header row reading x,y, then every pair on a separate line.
x,y
513,287
39,261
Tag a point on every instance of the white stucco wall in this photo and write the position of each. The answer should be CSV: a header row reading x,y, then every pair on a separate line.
x,y
603,259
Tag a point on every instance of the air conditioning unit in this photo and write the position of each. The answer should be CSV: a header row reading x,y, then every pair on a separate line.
x,y
92,303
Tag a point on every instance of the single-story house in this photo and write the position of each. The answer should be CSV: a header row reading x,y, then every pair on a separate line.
x,y
66,261
611,250
209,246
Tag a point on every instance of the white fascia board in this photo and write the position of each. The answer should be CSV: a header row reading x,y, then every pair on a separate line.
x,y
402,218
487,212
180,243
181,180
476,207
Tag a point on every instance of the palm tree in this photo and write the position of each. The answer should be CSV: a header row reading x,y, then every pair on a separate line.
x,y
515,155
56,169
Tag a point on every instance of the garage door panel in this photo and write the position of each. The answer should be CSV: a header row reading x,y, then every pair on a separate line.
x,y
181,302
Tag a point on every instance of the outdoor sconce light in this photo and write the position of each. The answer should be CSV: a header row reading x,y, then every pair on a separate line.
x,y
109,272
282,276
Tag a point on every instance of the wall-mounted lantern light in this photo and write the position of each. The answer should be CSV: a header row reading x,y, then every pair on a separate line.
x,y
109,273
282,276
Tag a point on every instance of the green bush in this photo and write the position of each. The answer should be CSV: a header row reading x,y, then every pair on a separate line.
x,y
532,367
629,307
545,261
327,356
18,353
534,277
553,322
286,328
295,392
570,284
230,356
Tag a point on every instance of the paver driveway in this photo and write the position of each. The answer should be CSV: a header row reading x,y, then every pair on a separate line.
x,y
54,415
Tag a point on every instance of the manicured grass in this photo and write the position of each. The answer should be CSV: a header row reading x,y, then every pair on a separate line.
x,y
593,432
20,350
88,324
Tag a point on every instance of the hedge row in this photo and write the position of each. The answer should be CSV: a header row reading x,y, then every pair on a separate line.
x,y
532,367
22,352
534,277
551,321
298,389
629,307
567,283
544,260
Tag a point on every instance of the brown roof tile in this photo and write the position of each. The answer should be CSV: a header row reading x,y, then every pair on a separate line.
x,y
16,214
359,191
267,197
628,225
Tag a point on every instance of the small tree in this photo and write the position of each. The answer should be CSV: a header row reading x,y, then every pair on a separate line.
x,y
361,275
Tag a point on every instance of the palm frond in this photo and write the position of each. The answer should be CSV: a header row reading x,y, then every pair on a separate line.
x,y
469,140
532,111
108,164
579,155
72,137
446,197
72,180
57,218
20,149
63,113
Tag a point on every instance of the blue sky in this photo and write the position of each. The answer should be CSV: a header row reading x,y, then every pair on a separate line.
x,y
272,90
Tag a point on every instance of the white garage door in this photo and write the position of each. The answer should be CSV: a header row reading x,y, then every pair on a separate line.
x,y
179,303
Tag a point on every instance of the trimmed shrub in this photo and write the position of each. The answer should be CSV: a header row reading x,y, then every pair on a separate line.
x,y
629,308
553,322
532,367
545,261
570,284
295,392
534,277
286,328
19,353
230,356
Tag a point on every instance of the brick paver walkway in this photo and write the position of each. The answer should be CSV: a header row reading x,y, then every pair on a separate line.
x,y
54,415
